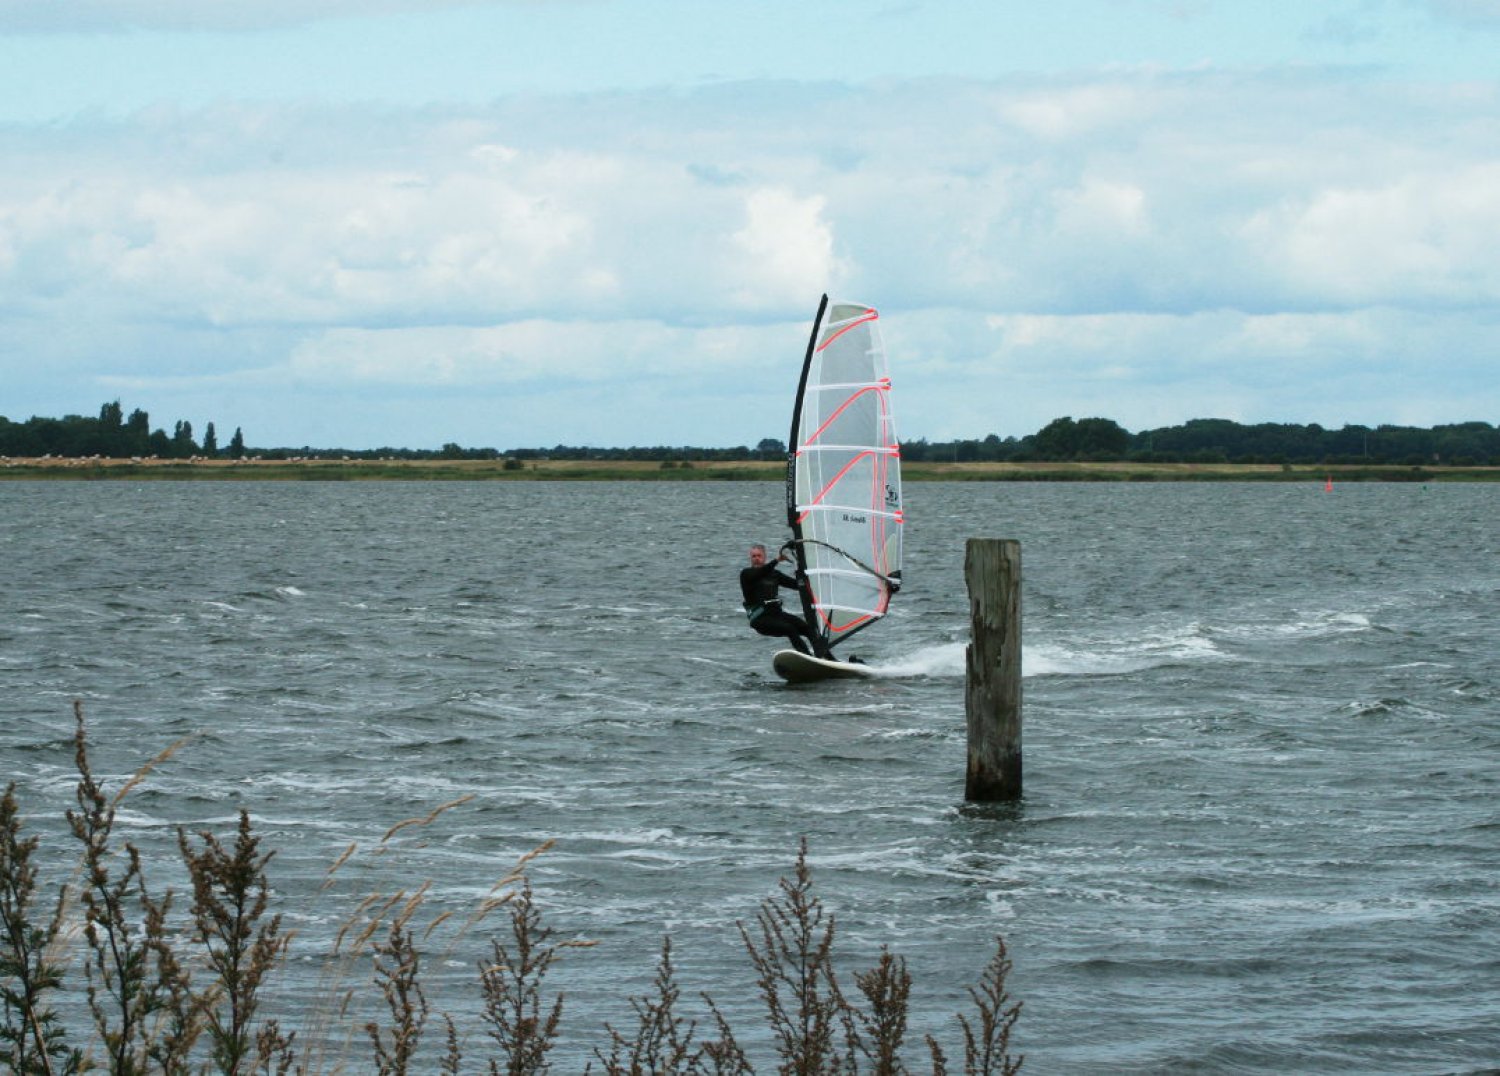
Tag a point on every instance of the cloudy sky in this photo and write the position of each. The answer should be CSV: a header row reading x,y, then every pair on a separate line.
x,y
519,223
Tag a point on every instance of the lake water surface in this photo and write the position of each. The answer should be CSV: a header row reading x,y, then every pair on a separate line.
x,y
1261,830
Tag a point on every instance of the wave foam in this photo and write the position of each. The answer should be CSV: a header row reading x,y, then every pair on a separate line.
x,y
1074,657
946,659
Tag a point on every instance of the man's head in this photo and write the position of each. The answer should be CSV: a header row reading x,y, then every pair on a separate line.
x,y
757,555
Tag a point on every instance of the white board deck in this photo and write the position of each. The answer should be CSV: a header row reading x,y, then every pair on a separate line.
x,y
798,668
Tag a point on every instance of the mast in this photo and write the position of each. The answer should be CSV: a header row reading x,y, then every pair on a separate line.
x,y
809,611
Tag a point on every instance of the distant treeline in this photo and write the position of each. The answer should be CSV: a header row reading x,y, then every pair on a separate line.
x,y
112,436
1201,440
1217,440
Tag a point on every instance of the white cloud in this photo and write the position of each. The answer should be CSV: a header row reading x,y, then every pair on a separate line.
x,y
1140,245
786,248
1060,113
1018,372
1424,237
1100,206
535,352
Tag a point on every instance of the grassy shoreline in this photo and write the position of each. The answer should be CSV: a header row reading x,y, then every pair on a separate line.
x,y
744,471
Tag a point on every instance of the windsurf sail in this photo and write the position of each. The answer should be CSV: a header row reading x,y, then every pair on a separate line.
x,y
843,483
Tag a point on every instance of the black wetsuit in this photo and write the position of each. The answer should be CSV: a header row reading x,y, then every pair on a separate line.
x,y
762,591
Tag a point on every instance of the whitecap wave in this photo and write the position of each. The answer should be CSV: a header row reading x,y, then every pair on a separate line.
x,y
945,659
1110,656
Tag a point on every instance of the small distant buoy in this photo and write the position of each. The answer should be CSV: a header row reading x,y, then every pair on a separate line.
x,y
1328,484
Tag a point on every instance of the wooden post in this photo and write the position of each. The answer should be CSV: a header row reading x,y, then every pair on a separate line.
x,y
992,695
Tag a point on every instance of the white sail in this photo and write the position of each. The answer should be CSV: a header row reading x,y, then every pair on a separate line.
x,y
844,475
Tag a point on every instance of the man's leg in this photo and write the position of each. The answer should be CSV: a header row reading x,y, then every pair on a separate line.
x,y
789,627
796,630
814,644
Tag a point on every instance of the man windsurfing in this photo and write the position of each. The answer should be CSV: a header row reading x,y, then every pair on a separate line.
x,y
761,585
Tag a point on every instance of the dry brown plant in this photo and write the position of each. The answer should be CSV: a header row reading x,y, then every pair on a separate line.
x,y
168,995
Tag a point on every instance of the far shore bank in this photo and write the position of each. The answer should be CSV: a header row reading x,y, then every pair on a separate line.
x,y
345,470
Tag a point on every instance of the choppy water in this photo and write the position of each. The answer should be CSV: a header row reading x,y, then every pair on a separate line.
x,y
1261,830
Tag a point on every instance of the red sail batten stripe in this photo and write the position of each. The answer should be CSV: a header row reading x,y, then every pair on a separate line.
x,y
835,481
839,411
871,316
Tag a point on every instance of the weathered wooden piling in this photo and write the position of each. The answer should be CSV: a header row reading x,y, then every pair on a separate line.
x,y
992,695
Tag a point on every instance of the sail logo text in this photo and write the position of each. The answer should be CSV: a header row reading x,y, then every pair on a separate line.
x,y
854,519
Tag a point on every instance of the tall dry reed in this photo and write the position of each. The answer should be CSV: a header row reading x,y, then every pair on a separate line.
x,y
168,992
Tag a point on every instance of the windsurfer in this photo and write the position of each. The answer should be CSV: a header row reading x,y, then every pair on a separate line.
x,y
761,585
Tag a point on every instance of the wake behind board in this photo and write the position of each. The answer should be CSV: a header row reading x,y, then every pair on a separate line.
x,y
798,668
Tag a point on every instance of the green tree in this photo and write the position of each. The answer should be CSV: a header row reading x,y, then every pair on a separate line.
x,y
237,445
109,440
138,433
210,441
1101,439
1058,440
183,444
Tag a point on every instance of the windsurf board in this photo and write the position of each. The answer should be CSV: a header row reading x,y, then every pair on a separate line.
x,y
795,667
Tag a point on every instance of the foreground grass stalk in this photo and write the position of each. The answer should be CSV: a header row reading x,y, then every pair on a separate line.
x,y
662,1042
887,987
149,1017
513,992
397,964
452,1055
177,1020
987,1047
123,927
229,907
723,1056
792,955
32,1039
